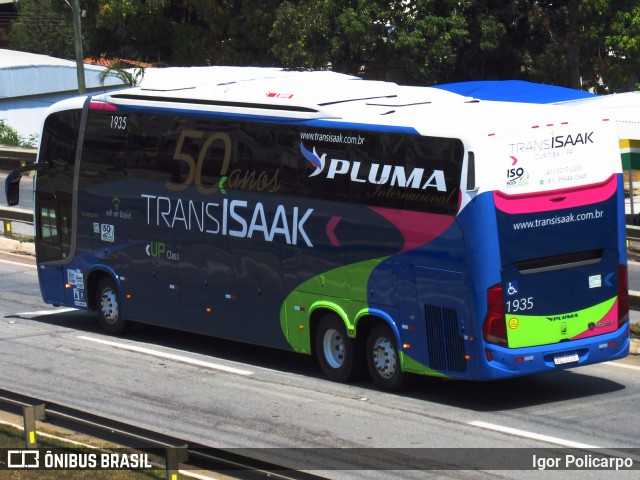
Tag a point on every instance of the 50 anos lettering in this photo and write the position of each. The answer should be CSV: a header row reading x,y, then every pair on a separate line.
x,y
194,167
246,180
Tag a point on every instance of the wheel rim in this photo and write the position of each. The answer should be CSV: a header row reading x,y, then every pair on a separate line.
x,y
109,306
333,347
384,358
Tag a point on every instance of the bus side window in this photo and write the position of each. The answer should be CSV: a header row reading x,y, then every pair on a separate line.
x,y
471,172
48,225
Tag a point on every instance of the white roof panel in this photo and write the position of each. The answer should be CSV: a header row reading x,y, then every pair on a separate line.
x,y
24,74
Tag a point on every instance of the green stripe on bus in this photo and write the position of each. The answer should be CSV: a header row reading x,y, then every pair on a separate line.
x,y
532,330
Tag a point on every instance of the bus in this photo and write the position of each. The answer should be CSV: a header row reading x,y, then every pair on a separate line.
x,y
387,229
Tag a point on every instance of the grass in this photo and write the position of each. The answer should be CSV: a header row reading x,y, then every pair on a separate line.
x,y
13,437
635,330
22,237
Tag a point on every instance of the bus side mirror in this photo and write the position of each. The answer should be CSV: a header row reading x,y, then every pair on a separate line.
x,y
12,182
12,188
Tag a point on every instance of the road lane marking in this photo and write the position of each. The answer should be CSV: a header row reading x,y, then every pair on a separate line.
x,y
40,313
622,365
169,356
9,262
531,435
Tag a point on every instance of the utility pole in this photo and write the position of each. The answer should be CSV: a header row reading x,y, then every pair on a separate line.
x,y
77,34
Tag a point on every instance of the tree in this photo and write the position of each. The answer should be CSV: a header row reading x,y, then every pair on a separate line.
x,y
420,37
302,34
619,59
43,26
427,35
130,75
10,136
182,32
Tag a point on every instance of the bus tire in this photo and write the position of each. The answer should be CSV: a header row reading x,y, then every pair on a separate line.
x,y
338,355
383,359
109,309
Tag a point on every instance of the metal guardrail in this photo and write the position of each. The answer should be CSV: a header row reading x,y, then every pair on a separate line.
x,y
8,215
633,232
12,157
175,451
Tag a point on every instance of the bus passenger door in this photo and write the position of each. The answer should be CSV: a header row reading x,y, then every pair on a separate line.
x,y
53,240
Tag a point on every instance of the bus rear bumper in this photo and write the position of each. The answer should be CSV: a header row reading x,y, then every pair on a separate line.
x,y
500,362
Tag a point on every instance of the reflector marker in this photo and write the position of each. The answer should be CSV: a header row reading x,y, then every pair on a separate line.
x,y
524,359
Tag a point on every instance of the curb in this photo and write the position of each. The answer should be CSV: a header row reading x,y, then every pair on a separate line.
x,y
15,246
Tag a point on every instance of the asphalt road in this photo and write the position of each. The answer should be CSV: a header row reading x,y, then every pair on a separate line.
x,y
224,394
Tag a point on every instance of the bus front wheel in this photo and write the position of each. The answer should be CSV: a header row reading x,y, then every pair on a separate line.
x,y
383,359
338,355
108,308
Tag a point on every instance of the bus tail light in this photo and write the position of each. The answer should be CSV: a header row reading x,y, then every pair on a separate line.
x,y
494,329
623,296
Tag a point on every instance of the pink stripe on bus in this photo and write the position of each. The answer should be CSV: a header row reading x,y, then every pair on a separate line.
x,y
556,199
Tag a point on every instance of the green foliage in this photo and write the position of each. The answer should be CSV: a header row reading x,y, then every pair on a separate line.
x,y
301,34
181,32
128,75
43,26
427,37
8,135
594,44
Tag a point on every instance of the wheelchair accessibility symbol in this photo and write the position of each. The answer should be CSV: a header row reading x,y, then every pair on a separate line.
x,y
512,288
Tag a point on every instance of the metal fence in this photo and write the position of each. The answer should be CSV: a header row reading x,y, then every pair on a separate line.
x,y
178,453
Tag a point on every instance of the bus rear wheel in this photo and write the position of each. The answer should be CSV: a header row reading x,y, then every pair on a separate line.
x,y
338,355
108,308
383,359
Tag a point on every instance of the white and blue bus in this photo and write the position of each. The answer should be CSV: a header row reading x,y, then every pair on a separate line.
x,y
378,227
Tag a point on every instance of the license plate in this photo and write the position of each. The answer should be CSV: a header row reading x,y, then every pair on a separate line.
x,y
564,359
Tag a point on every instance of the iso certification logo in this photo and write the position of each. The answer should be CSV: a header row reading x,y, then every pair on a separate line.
x,y
23,459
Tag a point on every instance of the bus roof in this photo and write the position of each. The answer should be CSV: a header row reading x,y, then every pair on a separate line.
x,y
271,93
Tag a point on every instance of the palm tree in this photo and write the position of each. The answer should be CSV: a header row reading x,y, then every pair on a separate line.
x,y
129,74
